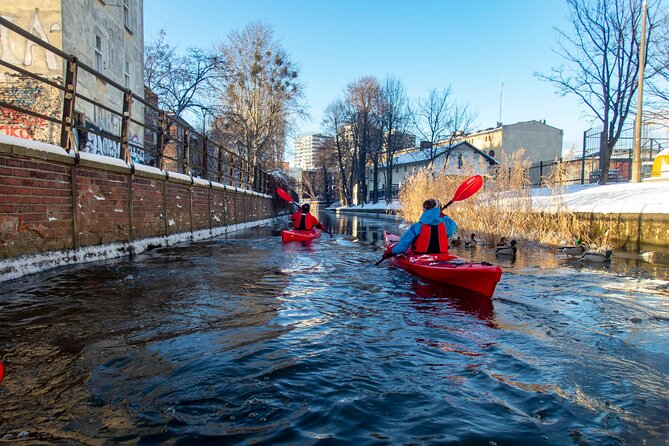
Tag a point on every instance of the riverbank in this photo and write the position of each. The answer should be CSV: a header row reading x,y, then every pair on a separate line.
x,y
631,216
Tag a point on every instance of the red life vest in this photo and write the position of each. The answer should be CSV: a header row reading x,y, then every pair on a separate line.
x,y
432,239
304,221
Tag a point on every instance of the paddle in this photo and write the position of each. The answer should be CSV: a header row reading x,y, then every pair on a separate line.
x,y
286,196
468,188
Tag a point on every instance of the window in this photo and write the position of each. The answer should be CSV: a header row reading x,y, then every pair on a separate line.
x,y
127,15
98,53
460,161
126,74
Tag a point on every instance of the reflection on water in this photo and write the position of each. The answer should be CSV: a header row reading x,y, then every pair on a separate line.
x,y
242,339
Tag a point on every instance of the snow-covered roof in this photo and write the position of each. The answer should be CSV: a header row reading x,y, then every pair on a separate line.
x,y
419,156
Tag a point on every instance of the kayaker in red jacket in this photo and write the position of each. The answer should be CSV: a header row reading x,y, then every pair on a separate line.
x,y
429,236
302,219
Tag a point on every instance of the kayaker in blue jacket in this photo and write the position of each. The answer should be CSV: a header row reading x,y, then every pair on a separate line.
x,y
429,236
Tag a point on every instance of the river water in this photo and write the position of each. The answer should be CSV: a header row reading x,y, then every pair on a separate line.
x,y
243,340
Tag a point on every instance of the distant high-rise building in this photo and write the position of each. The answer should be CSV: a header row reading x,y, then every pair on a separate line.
x,y
307,148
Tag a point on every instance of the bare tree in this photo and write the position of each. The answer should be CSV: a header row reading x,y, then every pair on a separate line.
x,y
601,52
658,62
336,123
460,122
262,94
431,116
362,97
395,118
438,118
179,81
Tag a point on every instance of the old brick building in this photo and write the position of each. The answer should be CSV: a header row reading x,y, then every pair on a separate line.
x,y
106,36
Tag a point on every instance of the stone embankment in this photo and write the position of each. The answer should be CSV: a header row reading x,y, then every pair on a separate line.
x,y
50,203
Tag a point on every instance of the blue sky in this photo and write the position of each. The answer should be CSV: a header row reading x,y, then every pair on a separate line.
x,y
471,46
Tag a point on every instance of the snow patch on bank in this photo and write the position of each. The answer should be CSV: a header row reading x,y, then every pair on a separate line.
x,y
18,267
633,198
380,206
648,197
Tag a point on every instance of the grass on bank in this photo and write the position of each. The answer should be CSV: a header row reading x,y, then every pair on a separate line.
x,y
502,208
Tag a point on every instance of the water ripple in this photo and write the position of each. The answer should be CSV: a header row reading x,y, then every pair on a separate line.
x,y
243,340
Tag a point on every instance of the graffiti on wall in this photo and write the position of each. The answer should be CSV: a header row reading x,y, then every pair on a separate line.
x,y
22,91
19,50
27,93
104,143
101,143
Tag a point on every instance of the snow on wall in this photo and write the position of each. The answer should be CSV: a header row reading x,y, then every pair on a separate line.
x,y
18,267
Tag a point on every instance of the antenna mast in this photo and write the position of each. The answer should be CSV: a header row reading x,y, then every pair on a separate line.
x,y
501,98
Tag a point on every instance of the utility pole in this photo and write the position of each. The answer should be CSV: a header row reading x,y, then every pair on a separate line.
x,y
636,156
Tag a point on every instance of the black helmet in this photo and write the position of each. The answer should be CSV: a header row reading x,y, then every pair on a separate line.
x,y
306,207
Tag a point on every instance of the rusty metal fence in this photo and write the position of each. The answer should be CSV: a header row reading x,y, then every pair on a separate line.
x,y
165,141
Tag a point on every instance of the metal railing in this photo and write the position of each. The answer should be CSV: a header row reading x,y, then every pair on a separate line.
x,y
167,142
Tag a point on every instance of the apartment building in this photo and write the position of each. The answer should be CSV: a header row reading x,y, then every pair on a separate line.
x,y
105,35
308,148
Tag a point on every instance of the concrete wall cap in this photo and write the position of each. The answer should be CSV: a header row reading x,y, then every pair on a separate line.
x,y
202,182
179,178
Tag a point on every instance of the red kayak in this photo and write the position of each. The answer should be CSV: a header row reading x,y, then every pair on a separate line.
x,y
299,235
454,271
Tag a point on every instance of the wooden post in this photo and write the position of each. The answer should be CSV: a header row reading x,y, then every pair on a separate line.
x,y
186,160
68,104
125,121
160,143
205,157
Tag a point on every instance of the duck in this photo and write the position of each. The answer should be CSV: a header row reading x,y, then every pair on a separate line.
x,y
471,243
574,251
596,257
457,241
507,251
502,242
655,257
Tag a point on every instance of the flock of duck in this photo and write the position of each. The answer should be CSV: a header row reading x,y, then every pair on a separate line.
x,y
509,249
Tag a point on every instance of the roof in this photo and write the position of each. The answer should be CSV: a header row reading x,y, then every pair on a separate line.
x,y
502,126
418,156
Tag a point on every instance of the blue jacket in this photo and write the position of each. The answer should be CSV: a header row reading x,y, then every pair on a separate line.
x,y
429,217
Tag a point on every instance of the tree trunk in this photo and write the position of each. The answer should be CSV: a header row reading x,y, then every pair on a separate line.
x,y
376,177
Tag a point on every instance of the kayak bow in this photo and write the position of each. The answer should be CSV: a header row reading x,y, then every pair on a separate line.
x,y
454,271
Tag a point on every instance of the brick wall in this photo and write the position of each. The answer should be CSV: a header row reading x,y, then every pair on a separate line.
x,y
35,206
49,203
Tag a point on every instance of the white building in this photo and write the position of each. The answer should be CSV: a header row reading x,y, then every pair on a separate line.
x,y
461,157
308,148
